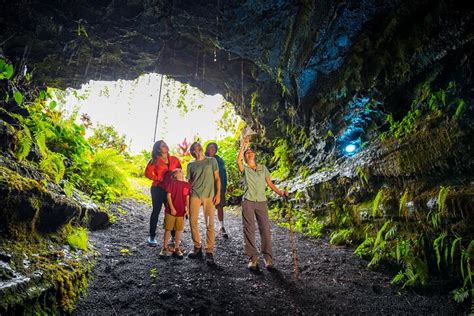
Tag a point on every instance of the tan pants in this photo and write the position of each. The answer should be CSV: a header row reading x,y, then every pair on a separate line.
x,y
209,213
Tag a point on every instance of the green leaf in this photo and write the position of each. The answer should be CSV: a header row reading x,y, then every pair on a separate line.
x,y
52,104
42,95
8,71
453,248
18,97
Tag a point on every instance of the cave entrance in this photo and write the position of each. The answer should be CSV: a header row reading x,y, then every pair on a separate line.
x,y
130,106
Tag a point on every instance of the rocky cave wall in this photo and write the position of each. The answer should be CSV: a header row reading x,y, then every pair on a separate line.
x,y
311,75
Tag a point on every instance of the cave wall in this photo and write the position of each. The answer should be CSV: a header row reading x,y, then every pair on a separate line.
x,y
312,75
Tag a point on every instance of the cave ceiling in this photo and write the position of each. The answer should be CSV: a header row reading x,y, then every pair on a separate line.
x,y
291,53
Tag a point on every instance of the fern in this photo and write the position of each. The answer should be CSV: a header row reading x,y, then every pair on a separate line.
x,y
23,143
379,237
438,247
53,166
401,250
403,202
453,248
460,294
443,193
398,278
391,232
376,204
364,248
340,237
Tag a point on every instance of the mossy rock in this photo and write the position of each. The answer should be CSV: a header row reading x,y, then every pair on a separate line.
x,y
44,269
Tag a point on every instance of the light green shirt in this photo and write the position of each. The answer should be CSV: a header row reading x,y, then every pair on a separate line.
x,y
255,183
201,175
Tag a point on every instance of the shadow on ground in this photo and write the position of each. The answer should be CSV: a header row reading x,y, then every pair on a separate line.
x,y
332,280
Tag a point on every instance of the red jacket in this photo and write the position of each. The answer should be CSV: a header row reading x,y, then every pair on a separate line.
x,y
160,172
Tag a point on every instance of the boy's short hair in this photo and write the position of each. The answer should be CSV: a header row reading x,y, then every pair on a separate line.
x,y
192,150
175,171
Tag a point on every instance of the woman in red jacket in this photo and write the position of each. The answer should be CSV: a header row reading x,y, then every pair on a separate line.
x,y
159,170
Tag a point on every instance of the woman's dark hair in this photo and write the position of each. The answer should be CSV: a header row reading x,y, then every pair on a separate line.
x,y
207,148
156,150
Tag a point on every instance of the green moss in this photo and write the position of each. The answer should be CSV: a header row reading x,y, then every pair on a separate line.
x,y
67,274
304,171
13,181
36,205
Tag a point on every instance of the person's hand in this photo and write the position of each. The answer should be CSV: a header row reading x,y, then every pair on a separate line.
x,y
173,212
216,200
283,193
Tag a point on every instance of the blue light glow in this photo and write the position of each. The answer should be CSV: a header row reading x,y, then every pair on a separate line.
x,y
350,148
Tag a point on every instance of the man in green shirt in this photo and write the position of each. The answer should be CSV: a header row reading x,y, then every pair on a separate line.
x,y
203,174
254,206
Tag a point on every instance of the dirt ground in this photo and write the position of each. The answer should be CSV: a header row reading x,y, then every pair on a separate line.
x,y
332,279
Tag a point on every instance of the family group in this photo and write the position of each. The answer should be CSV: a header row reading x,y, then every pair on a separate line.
x,y
205,186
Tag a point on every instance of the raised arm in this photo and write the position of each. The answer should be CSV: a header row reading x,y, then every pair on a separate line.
x,y
240,156
274,188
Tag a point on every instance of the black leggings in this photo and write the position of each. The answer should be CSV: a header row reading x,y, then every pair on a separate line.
x,y
158,198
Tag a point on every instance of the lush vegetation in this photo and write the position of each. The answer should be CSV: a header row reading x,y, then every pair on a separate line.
x,y
428,107
422,235
53,139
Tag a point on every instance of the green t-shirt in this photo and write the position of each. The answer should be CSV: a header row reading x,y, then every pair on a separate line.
x,y
255,183
201,175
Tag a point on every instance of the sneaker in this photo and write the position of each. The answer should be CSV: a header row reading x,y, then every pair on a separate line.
x,y
223,233
253,264
196,253
178,253
210,259
269,264
165,253
152,242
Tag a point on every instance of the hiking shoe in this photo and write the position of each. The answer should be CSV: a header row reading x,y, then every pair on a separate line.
x,y
152,242
210,259
269,264
253,264
178,253
196,253
223,233
165,253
